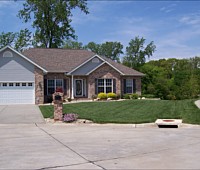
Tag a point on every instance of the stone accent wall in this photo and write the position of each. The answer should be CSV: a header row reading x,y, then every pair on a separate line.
x,y
39,86
138,83
105,71
58,106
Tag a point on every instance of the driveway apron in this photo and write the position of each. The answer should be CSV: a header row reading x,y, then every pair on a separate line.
x,y
20,114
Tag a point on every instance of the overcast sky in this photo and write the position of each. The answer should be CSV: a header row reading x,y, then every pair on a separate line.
x,y
174,26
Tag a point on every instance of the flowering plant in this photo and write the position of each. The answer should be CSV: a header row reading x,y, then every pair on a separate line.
x,y
70,117
59,89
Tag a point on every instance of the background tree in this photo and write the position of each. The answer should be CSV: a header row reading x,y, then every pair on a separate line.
x,y
172,78
7,39
23,40
136,52
94,47
110,50
69,44
52,20
18,40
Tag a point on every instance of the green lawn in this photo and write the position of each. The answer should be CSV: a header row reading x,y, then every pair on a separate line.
x,y
131,111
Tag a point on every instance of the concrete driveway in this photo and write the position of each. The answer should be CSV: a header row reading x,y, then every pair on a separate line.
x,y
78,146
12,114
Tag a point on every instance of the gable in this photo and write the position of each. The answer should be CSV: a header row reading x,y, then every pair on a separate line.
x,y
15,68
87,67
8,49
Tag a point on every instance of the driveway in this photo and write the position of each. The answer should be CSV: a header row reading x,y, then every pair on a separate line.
x,y
90,146
15,114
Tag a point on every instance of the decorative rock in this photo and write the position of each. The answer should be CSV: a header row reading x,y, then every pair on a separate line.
x,y
83,121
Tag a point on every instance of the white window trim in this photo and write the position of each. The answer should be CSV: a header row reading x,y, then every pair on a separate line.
x,y
54,84
130,86
104,85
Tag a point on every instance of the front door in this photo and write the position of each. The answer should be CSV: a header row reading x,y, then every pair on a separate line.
x,y
79,88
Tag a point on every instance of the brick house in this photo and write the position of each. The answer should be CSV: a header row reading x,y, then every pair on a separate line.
x,y
33,76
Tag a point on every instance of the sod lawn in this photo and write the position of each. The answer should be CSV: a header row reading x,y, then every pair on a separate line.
x,y
131,111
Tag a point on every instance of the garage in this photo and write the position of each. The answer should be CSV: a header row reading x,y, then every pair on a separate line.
x,y
17,78
17,93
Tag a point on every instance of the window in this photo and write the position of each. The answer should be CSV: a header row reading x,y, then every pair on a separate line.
x,y
4,84
11,84
52,85
30,84
105,85
23,84
129,86
17,84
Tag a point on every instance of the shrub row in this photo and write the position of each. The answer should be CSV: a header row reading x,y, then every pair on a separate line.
x,y
104,96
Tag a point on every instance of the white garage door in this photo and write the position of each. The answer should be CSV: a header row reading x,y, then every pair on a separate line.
x,y
17,93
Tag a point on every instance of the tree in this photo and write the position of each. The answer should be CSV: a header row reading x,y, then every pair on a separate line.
x,y
7,39
69,44
23,40
110,50
136,52
95,48
52,19
17,40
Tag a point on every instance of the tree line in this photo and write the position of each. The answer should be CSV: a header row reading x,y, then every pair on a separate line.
x,y
167,79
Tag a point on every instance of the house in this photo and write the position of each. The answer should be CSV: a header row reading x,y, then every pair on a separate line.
x,y
33,76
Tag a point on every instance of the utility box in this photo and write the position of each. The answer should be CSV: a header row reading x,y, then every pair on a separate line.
x,y
58,106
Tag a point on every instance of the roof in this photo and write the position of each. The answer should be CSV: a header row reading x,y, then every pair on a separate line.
x,y
66,60
58,60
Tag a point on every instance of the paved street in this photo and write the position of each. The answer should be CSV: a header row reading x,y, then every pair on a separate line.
x,y
81,146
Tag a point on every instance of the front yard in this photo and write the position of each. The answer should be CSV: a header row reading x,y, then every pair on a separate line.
x,y
131,111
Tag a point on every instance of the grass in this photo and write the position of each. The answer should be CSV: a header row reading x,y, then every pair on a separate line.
x,y
131,111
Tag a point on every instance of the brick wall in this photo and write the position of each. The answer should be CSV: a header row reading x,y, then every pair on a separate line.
x,y
138,83
105,71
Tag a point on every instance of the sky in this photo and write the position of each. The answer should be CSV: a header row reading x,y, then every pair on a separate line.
x,y
173,26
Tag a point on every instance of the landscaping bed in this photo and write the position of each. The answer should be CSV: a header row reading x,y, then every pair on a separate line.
x,y
131,111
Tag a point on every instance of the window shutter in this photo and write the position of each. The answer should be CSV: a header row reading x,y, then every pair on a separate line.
x,y
45,86
65,86
96,86
124,86
114,85
134,86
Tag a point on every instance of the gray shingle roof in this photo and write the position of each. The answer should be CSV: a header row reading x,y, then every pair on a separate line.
x,y
65,60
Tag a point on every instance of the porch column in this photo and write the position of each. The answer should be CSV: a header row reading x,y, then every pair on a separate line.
x,y
72,87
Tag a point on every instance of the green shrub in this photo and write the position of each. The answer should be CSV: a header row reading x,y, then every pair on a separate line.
x,y
171,97
126,96
102,96
134,96
112,95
